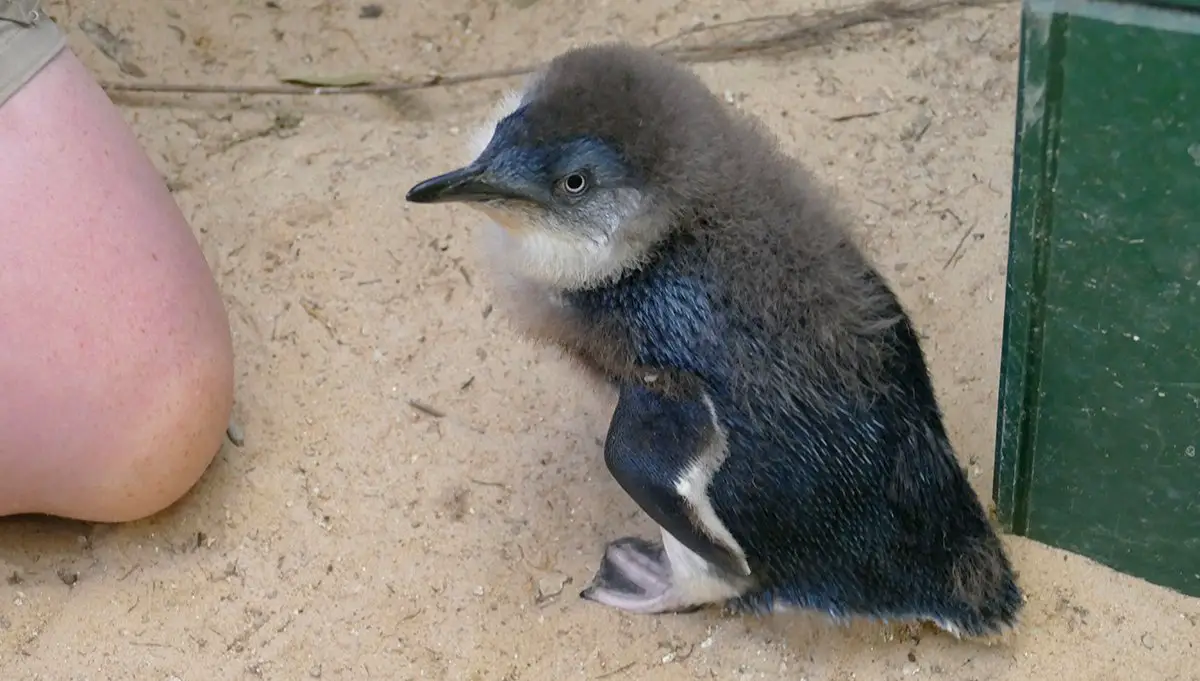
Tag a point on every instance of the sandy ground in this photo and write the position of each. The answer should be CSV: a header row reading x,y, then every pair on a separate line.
x,y
357,537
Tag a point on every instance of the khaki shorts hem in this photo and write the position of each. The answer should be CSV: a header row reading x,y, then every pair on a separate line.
x,y
24,51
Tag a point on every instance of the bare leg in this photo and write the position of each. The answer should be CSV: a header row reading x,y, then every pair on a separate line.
x,y
115,353
646,578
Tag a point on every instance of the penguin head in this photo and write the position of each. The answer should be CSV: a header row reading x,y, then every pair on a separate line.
x,y
573,187
590,165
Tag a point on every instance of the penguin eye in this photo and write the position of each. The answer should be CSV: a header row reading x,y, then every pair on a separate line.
x,y
574,184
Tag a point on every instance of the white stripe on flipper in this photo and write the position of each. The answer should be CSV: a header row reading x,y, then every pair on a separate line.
x,y
693,487
692,578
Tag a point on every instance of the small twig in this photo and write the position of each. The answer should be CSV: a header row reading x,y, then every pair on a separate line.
x,y
488,483
427,409
863,114
616,671
432,81
783,33
707,28
691,649
313,310
961,242
806,29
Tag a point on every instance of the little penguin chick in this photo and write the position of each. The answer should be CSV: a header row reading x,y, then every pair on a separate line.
x,y
775,416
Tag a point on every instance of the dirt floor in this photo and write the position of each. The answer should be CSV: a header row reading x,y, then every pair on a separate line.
x,y
420,494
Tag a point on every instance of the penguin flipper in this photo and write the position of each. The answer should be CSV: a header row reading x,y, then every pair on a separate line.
x,y
663,452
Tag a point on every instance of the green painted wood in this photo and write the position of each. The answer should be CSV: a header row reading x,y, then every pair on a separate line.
x,y
1099,417
1173,4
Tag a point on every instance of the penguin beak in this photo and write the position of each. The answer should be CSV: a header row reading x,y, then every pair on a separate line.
x,y
470,183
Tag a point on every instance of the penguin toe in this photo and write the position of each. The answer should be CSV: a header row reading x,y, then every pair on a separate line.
x,y
635,576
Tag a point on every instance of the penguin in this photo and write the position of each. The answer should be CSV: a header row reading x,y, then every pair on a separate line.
x,y
775,416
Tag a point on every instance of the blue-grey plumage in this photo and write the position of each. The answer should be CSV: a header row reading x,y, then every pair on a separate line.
x,y
775,414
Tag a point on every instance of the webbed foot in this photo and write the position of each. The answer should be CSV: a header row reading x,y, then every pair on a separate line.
x,y
636,576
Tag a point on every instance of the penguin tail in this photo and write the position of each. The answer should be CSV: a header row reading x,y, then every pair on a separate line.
x,y
985,587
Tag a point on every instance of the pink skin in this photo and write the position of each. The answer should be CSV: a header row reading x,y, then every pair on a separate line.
x,y
116,366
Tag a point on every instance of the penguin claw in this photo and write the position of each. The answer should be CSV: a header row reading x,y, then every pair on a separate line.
x,y
635,576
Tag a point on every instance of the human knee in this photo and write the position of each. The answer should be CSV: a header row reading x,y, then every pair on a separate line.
x,y
171,436
121,438
121,382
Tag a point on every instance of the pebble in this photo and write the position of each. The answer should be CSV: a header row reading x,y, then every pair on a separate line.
x,y
550,586
235,434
